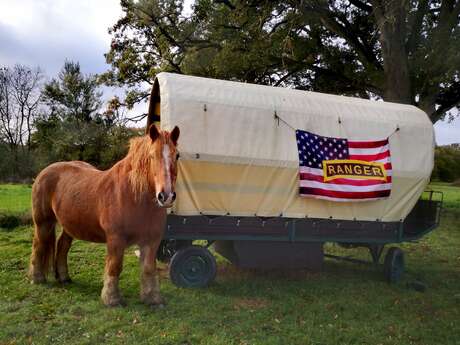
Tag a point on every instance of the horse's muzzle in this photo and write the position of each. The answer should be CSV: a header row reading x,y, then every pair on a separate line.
x,y
166,200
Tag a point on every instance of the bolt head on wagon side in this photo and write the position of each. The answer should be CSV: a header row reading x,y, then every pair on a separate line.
x,y
268,175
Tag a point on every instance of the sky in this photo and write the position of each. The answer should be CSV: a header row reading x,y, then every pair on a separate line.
x,y
45,33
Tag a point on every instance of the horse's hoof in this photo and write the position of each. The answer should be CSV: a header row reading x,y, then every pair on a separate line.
x,y
65,281
155,302
157,305
160,306
113,303
37,279
113,300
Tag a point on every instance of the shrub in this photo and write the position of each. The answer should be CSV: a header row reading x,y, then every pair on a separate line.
x,y
9,221
447,163
13,220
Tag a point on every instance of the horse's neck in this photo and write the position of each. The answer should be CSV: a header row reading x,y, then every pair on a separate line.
x,y
123,169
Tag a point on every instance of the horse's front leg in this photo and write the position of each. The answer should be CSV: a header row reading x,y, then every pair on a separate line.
x,y
113,265
150,286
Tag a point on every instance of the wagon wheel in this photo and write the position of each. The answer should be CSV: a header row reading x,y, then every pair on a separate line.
x,y
393,268
193,266
168,248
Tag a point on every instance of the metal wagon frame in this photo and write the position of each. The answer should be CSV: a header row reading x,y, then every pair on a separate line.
x,y
195,266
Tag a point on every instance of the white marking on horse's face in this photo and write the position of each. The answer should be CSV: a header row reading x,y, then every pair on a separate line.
x,y
167,167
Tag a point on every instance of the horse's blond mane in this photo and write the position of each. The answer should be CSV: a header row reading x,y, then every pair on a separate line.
x,y
138,156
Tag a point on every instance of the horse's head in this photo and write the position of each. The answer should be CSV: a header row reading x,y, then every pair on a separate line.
x,y
164,156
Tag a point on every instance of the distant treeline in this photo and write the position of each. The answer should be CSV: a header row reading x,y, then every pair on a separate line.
x,y
60,120
64,119
447,163
98,144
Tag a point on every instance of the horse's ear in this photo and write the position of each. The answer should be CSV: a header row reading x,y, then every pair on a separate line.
x,y
175,135
153,132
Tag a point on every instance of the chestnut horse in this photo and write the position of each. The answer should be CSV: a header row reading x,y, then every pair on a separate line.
x,y
122,206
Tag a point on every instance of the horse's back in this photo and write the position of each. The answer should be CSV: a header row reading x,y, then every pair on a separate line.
x,y
53,181
49,177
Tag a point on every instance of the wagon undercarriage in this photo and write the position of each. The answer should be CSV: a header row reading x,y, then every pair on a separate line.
x,y
278,242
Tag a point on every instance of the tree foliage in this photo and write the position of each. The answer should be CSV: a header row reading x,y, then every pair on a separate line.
x,y
447,163
93,142
60,120
72,95
75,127
404,51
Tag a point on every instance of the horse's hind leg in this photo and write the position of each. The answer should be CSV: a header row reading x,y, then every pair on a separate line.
x,y
42,250
113,265
150,286
63,246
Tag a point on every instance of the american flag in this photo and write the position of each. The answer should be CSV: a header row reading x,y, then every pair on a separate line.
x,y
314,150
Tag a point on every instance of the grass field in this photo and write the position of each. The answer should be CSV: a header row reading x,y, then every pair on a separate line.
x,y
14,198
345,304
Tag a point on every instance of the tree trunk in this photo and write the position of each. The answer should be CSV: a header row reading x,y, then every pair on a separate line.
x,y
391,19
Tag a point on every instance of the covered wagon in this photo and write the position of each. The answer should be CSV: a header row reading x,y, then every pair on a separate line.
x,y
269,174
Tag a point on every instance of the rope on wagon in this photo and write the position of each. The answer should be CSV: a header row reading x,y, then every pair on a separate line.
x,y
278,118
395,131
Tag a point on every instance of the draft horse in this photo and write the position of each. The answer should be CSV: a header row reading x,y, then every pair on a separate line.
x,y
123,206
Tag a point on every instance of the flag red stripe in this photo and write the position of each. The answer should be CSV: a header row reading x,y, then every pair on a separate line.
x,y
371,158
366,144
343,181
345,195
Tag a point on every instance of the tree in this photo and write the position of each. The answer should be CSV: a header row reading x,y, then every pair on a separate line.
x,y
19,104
75,126
73,95
403,51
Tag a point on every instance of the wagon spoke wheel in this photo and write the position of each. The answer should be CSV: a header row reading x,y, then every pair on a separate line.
x,y
394,265
193,266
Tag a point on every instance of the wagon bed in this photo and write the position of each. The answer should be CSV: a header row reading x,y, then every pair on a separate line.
x,y
423,218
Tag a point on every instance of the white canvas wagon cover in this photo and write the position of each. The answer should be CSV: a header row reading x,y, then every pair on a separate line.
x,y
237,158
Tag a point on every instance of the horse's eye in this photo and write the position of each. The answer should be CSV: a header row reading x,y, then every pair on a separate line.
x,y
177,156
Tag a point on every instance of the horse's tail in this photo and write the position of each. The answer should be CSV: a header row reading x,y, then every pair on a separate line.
x,y
44,242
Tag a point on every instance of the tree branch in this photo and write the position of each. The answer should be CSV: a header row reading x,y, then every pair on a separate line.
x,y
416,26
342,27
226,3
361,5
447,99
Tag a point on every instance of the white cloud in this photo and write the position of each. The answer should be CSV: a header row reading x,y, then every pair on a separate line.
x,y
46,32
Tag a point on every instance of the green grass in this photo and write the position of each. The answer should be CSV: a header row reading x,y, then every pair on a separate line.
x,y
15,198
451,194
345,304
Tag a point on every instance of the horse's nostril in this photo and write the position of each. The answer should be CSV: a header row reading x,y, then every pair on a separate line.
x,y
173,196
161,197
